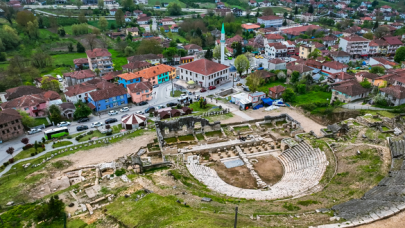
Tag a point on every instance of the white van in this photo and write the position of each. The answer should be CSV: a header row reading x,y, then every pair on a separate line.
x,y
59,78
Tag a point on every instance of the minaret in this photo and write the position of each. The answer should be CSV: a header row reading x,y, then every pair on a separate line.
x,y
223,44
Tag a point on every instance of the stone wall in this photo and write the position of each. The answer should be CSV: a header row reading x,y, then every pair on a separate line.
x,y
157,165
226,92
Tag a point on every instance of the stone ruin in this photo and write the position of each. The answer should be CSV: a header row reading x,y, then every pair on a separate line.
x,y
183,126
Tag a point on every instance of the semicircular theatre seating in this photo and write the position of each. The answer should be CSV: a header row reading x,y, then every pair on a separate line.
x,y
303,169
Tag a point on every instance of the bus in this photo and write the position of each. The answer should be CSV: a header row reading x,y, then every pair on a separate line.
x,y
56,133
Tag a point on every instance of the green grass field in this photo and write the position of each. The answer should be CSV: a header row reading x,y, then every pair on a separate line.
x,y
176,36
117,59
39,121
62,143
153,2
312,97
279,10
67,58
265,88
95,23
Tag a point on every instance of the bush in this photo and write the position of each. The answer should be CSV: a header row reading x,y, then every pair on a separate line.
x,y
3,56
32,154
69,137
26,147
291,207
11,160
109,133
119,172
90,132
5,164
79,137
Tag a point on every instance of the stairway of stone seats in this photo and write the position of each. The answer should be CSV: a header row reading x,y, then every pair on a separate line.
x,y
304,167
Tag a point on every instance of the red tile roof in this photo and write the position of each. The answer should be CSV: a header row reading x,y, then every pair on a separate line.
x,y
192,47
80,61
98,52
277,89
79,89
298,30
148,72
397,91
335,65
355,39
80,74
342,76
9,115
111,75
108,93
204,67
21,91
139,87
48,78
276,61
250,26
351,88
367,75
301,68
393,40
31,100
384,61
136,65
274,37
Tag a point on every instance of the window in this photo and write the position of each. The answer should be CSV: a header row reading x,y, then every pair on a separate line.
x,y
106,100
114,98
146,91
19,127
12,122
138,93
122,97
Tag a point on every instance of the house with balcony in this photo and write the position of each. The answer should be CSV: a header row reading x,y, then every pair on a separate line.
x,y
77,77
303,69
81,64
386,9
192,49
378,47
355,45
270,21
143,20
34,104
277,64
275,50
361,76
274,38
334,67
394,42
79,92
155,75
10,124
100,58
305,50
112,97
141,91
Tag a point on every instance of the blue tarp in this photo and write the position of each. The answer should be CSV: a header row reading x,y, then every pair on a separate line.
x,y
260,68
267,101
258,106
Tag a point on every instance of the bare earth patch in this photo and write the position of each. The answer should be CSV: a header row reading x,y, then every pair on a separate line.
x,y
269,169
238,176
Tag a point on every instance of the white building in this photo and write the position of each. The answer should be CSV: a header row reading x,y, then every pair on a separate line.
x,y
340,56
277,64
275,50
270,21
79,92
395,94
204,72
355,45
334,67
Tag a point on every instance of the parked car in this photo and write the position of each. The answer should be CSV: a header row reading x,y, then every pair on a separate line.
x,y
63,124
139,112
190,93
97,124
239,84
182,97
124,109
161,106
124,116
246,89
82,128
212,87
197,97
142,103
34,130
177,77
171,104
203,90
112,112
150,109
81,120
155,86
110,120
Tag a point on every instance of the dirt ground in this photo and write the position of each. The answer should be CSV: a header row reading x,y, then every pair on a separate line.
x,y
269,169
108,153
396,221
237,176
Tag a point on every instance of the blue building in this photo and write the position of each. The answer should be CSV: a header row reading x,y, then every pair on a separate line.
x,y
105,99
128,78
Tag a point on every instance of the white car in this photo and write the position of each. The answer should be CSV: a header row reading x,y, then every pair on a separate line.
x,y
97,124
139,112
113,112
34,130
124,109
63,124
182,97
161,106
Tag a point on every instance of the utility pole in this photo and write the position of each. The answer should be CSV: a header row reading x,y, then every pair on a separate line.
x,y
236,217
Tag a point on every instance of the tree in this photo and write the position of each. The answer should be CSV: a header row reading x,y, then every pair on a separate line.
x,y
97,31
368,35
296,10
55,114
174,9
100,4
315,54
241,64
148,46
82,110
103,23
217,52
162,30
9,37
9,12
208,54
400,55
36,145
23,17
285,22
281,76
381,32
267,11
375,3
61,31
25,141
82,18
10,151
53,85
91,40
365,84
128,5
78,4
119,18
310,9
257,12
301,88
97,71
129,51
54,208
380,100
375,25
33,29
285,15
377,70
295,76
41,59
26,120
80,48
254,81
288,95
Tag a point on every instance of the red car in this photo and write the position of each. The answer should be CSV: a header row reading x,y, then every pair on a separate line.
x,y
212,87
202,90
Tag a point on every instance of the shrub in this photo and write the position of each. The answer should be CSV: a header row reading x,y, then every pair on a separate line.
x,y
32,154
69,137
26,147
109,133
11,160
90,132
5,164
79,137
291,207
119,172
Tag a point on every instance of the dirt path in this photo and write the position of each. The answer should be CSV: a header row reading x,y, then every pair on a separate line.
x,y
108,153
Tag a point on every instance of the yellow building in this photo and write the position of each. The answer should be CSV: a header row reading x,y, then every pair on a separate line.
x,y
305,50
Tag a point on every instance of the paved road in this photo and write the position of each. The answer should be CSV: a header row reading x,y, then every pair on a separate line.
x,y
162,97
